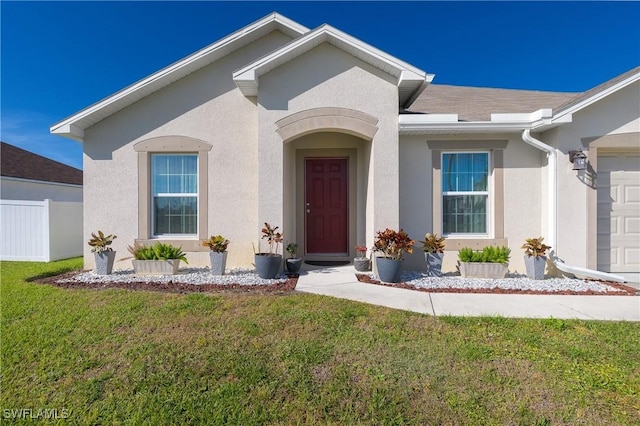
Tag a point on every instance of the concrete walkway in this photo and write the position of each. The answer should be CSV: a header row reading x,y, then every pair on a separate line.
x,y
341,282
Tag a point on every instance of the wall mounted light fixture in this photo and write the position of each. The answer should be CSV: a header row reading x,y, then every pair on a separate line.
x,y
579,160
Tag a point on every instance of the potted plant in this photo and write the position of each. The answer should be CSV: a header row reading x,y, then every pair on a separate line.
x,y
158,259
490,262
433,247
294,263
268,263
103,254
218,254
391,245
535,257
361,263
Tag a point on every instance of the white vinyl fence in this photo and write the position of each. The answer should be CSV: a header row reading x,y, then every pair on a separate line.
x,y
40,230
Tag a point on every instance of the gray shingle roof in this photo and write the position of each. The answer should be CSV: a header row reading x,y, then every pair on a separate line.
x,y
18,163
604,86
478,103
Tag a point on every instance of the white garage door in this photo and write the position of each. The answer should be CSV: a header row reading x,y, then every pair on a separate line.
x,y
619,211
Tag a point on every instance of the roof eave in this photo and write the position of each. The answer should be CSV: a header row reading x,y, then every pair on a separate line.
x,y
68,130
411,80
417,124
155,81
575,107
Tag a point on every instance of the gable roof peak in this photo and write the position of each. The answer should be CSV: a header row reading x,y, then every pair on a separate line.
x,y
73,127
411,80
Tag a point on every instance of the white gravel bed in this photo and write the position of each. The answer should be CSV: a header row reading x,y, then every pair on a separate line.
x,y
511,282
185,276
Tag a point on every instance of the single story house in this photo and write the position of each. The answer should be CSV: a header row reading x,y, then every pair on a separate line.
x,y
332,139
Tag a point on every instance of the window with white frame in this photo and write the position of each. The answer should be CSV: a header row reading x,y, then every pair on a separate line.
x,y
465,193
174,187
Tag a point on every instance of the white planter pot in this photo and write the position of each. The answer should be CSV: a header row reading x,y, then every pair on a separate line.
x,y
104,262
434,264
483,270
218,262
535,266
156,267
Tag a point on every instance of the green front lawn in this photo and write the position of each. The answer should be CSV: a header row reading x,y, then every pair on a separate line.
x,y
117,356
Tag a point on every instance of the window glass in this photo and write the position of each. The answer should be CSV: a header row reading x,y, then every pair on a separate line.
x,y
465,182
175,194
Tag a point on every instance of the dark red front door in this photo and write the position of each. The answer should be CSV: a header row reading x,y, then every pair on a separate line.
x,y
326,205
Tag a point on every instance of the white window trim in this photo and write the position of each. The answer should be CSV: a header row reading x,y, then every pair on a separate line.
x,y
153,195
489,211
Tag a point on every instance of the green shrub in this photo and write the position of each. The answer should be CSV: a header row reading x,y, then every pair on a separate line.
x,y
489,254
158,251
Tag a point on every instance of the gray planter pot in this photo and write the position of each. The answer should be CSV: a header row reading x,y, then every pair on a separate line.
x,y
218,262
156,267
104,262
361,264
483,270
268,265
294,265
535,266
434,264
389,269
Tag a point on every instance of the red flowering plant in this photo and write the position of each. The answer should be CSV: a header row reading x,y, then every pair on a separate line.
x,y
361,251
273,238
393,244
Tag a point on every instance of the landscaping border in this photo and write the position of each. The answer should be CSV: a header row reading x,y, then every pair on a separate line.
x,y
63,281
625,290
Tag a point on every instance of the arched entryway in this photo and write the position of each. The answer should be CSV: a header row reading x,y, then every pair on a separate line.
x,y
326,168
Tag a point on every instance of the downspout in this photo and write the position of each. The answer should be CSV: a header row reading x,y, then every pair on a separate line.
x,y
553,220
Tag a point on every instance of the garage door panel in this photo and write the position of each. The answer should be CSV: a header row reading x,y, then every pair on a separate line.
x,y
632,194
632,255
618,204
632,226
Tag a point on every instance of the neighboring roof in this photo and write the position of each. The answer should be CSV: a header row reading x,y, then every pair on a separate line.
x,y
73,127
411,81
18,163
478,103
605,89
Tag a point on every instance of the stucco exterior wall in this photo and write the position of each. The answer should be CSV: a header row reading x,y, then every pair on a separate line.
x,y
205,105
329,77
523,195
22,189
619,113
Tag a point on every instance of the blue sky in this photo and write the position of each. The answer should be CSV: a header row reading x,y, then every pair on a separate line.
x,y
59,57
